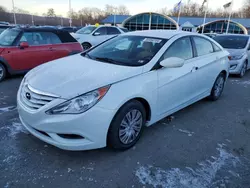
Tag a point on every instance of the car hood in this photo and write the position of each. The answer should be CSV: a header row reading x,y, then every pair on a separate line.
x,y
234,52
76,75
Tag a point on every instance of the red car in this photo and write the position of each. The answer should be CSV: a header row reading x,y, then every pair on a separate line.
x,y
22,49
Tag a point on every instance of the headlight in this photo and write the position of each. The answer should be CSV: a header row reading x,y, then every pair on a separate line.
x,y
237,57
79,104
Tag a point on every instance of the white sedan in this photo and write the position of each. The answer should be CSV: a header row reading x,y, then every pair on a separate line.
x,y
91,35
109,94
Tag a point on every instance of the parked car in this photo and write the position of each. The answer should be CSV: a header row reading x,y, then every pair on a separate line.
x,y
239,48
211,35
91,35
22,49
4,23
109,93
69,29
4,27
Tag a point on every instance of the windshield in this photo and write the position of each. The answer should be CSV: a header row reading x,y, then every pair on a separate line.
x,y
232,42
8,36
86,30
127,50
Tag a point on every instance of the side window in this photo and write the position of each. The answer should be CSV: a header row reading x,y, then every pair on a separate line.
x,y
101,31
216,48
113,31
182,48
203,46
33,38
50,38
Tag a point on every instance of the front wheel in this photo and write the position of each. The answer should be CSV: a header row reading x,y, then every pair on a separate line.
x,y
218,87
2,72
86,46
127,126
243,70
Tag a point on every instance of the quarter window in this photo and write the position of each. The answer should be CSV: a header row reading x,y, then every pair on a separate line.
x,y
182,48
203,46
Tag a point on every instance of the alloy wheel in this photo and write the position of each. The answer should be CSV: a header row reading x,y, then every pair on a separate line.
x,y
130,126
243,70
1,72
218,87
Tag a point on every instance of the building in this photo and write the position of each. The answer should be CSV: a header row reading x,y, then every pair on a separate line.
x,y
150,20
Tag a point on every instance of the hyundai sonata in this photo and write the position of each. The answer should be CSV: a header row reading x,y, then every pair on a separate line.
x,y
110,93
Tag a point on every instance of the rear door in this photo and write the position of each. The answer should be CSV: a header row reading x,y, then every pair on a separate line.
x,y
208,57
112,31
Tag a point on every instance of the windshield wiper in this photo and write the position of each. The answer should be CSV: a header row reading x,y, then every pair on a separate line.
x,y
108,60
88,56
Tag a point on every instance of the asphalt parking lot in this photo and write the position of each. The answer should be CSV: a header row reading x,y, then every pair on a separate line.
x,y
204,145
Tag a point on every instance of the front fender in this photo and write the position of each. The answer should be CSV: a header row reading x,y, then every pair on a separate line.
x,y
141,86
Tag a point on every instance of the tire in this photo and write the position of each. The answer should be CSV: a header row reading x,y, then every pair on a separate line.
x,y
218,87
3,72
122,134
86,46
243,70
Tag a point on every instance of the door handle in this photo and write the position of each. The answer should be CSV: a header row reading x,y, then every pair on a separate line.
x,y
194,69
51,49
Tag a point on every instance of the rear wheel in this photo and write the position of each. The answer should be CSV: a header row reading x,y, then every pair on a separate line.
x,y
127,126
2,72
218,87
86,46
243,70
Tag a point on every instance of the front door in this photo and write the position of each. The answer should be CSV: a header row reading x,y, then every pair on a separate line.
x,y
176,85
27,58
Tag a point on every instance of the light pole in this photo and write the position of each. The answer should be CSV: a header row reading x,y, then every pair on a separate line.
x,y
13,6
70,12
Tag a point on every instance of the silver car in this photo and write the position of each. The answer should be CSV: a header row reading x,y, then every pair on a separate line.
x,y
239,48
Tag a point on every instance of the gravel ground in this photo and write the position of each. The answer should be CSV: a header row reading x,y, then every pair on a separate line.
x,y
204,145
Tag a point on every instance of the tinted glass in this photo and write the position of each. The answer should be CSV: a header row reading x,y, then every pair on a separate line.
x,y
101,31
40,38
113,31
181,48
232,42
124,30
1,30
86,30
203,46
8,36
127,50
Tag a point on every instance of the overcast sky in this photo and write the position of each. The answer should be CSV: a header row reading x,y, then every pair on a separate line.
x,y
134,6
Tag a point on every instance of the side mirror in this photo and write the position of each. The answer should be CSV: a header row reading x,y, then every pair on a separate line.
x,y
172,62
97,34
24,45
248,48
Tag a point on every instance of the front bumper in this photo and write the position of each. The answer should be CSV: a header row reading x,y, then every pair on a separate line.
x,y
236,66
70,132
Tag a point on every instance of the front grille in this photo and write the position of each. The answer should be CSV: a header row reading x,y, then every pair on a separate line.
x,y
34,99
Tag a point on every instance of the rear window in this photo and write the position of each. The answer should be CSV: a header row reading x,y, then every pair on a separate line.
x,y
124,29
232,42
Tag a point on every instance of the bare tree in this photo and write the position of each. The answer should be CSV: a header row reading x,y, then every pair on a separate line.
x,y
122,10
51,13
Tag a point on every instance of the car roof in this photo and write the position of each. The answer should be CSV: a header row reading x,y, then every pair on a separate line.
x,y
37,29
229,35
164,34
